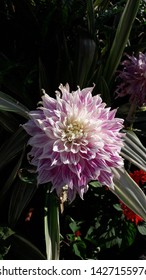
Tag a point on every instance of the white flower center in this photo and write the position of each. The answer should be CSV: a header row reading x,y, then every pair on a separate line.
x,y
74,130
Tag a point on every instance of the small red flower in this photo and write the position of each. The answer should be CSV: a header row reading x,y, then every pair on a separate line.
x,y
129,214
77,233
139,176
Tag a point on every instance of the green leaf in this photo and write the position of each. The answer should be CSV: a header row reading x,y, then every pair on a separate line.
x,y
23,249
8,122
134,157
130,135
7,103
51,226
76,250
119,241
91,17
129,234
129,192
4,249
142,228
14,145
71,237
5,232
10,179
133,150
21,195
104,90
121,38
28,175
102,3
117,207
95,184
43,80
86,53
90,232
111,242
73,226
108,238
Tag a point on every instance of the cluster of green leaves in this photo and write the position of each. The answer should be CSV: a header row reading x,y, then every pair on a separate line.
x,y
10,244
101,225
42,38
5,232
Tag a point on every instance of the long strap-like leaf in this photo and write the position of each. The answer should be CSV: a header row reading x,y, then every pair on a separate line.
x,y
121,38
129,192
14,145
51,224
9,104
133,150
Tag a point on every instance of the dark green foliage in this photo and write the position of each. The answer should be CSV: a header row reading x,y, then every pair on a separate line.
x,y
5,233
45,43
97,224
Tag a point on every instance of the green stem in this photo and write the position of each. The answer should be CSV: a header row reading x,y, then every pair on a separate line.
x,y
131,114
129,124
51,226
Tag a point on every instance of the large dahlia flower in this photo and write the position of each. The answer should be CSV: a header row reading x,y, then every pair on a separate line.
x,y
74,140
133,79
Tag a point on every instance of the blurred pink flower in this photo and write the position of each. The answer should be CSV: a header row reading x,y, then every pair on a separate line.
x,y
133,79
74,140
